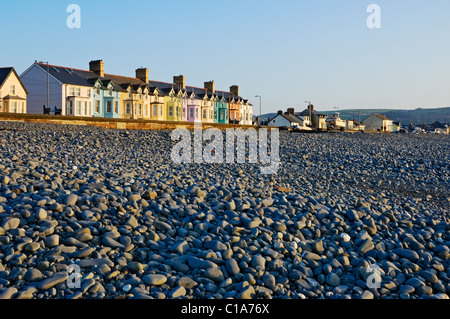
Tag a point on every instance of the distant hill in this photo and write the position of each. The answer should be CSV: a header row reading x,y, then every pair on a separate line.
x,y
417,116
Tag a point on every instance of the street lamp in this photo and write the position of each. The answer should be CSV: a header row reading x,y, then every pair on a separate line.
x,y
48,89
260,110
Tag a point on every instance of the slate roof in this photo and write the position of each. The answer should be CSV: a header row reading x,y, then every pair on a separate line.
x,y
306,113
4,72
79,77
384,118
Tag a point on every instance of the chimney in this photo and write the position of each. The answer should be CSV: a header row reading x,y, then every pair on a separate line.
x,y
210,86
234,89
97,67
142,74
180,81
280,112
291,111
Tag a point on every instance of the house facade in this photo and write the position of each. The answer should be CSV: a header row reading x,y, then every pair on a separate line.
x,y
246,113
13,94
67,91
318,120
290,119
378,123
94,93
106,99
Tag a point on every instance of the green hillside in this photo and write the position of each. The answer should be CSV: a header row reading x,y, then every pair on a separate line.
x,y
417,116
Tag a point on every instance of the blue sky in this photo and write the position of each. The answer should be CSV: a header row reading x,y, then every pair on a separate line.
x,y
286,51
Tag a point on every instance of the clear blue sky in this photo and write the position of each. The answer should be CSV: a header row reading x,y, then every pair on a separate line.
x,y
286,51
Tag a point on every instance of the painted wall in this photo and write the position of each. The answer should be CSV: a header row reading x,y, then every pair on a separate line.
x,y
12,105
35,81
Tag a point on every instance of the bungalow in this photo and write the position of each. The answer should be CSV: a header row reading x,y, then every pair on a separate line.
x,y
355,125
378,123
13,94
440,128
290,120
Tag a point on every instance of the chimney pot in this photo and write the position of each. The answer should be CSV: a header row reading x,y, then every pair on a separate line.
x,y
210,86
142,74
180,81
97,66
234,89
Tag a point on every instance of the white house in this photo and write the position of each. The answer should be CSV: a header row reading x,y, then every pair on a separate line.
x,y
378,123
289,119
66,90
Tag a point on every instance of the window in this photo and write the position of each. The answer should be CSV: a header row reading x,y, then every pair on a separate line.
x,y
69,108
128,108
116,107
108,106
160,110
139,109
129,93
170,111
13,89
89,109
110,91
78,111
191,112
77,91
97,106
155,110
71,91
88,92
13,107
204,114
196,113
98,90
145,109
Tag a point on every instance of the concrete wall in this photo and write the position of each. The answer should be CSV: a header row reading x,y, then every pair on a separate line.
x,y
110,123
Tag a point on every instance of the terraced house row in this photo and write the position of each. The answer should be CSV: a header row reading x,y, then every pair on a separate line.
x,y
94,93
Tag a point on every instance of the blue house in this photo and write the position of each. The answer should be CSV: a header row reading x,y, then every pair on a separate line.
x,y
106,98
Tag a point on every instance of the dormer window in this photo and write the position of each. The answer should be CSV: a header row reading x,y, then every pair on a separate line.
x,y
129,93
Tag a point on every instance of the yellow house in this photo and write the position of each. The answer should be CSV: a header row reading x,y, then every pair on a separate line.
x,y
156,107
13,94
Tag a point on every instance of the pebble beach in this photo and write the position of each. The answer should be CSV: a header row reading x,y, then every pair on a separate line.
x,y
91,213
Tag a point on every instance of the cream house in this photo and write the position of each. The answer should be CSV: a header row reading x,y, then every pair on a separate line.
x,y
13,94
378,123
